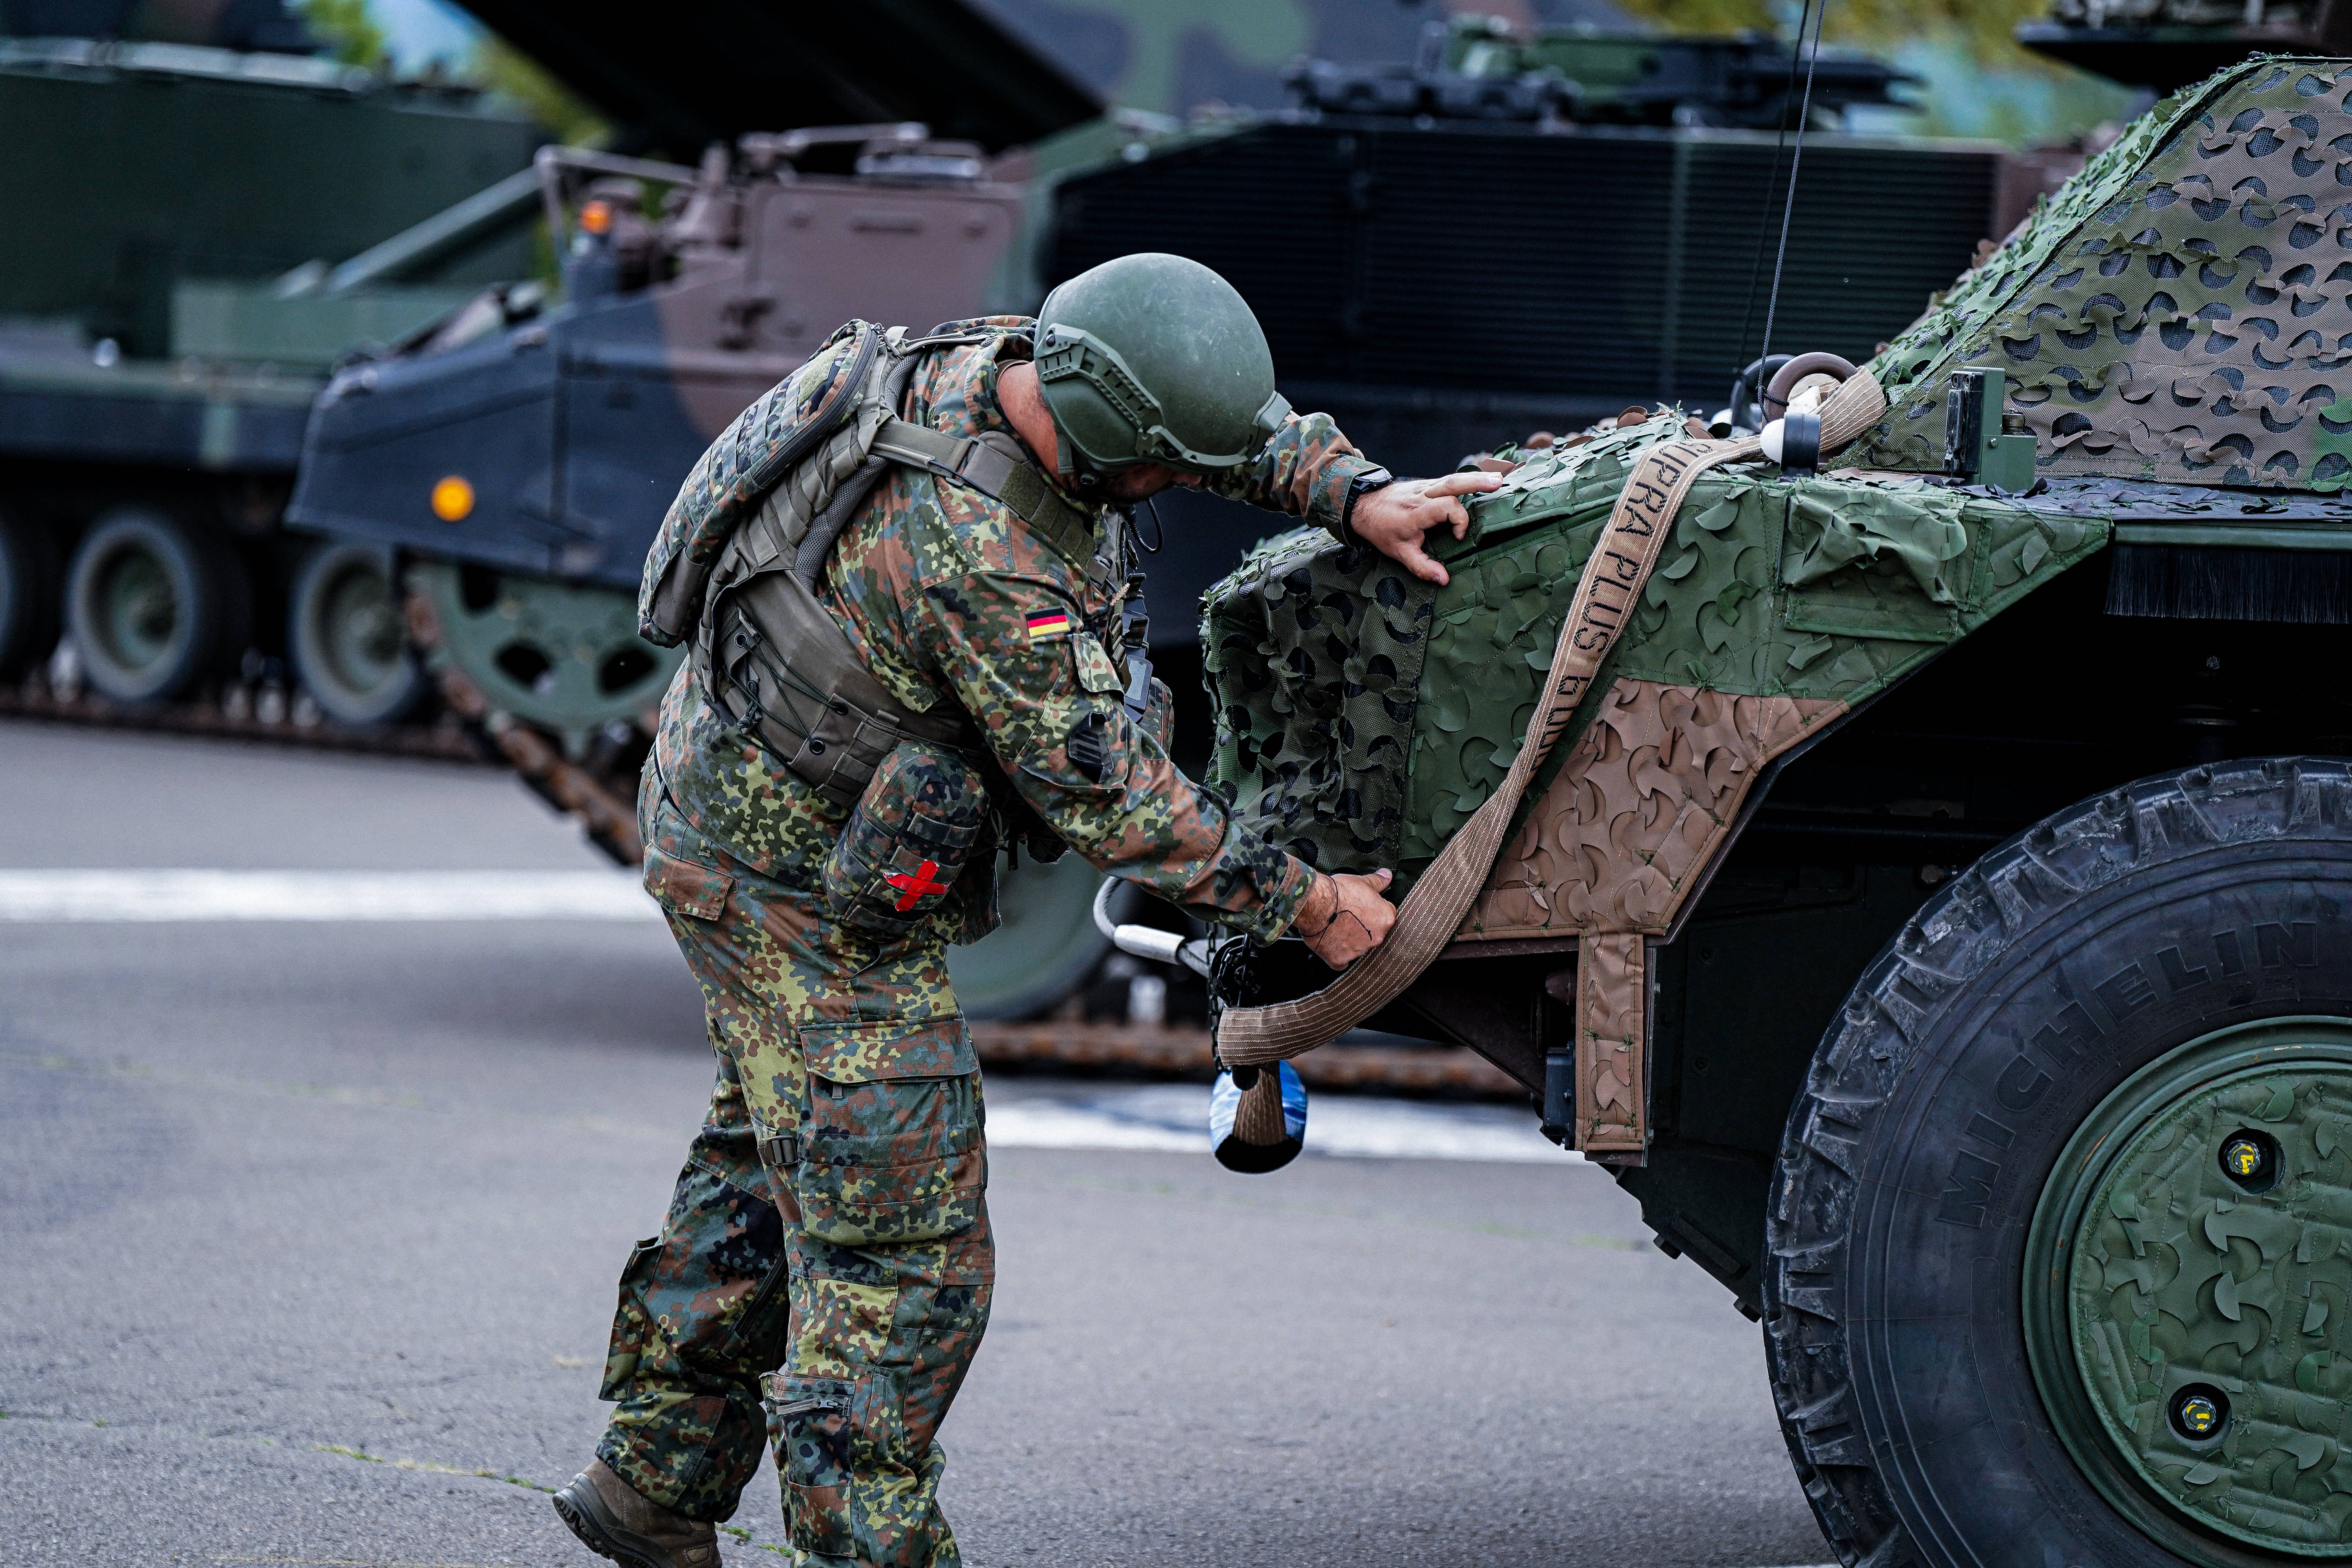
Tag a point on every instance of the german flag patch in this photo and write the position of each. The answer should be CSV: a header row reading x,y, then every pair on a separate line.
x,y
1047,624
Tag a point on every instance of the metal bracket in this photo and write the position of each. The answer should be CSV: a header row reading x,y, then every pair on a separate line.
x,y
1998,452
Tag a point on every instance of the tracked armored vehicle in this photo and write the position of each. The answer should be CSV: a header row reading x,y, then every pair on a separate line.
x,y
159,343
515,456
1934,906
521,456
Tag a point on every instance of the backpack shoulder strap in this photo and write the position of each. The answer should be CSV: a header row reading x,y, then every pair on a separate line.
x,y
828,515
997,468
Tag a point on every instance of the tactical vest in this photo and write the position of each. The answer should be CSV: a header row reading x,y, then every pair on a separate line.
x,y
771,661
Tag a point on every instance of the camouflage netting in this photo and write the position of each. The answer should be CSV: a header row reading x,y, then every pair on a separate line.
x,y
1826,589
2179,311
1313,655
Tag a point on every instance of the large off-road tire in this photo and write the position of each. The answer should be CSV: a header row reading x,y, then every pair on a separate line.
x,y
2005,1266
1044,951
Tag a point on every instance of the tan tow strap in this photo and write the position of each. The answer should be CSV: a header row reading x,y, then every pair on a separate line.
x,y
1605,597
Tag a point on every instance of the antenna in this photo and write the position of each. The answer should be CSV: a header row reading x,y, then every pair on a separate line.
x,y
1796,159
1779,146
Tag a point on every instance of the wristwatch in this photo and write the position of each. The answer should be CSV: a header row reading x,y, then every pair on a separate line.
x,y
1363,484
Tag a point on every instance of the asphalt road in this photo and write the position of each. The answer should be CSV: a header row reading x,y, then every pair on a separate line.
x,y
309,1233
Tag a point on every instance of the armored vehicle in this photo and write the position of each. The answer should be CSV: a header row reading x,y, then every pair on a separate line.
x,y
1485,67
519,458
515,456
166,325
1912,849
2164,44
1443,271
160,338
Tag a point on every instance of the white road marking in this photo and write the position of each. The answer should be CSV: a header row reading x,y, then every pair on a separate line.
x,y
216,895
1175,1117
1167,1117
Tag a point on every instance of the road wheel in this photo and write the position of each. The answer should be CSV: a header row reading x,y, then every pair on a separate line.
x,y
151,607
27,605
349,642
2060,1244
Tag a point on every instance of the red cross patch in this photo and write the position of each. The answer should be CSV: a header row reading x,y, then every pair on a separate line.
x,y
918,886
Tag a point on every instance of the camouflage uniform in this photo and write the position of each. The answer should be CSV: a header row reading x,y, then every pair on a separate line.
x,y
856,1255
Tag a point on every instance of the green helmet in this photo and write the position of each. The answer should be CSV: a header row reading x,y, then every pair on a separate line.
x,y
1155,359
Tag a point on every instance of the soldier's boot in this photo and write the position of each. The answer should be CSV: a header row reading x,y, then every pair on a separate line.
x,y
613,1521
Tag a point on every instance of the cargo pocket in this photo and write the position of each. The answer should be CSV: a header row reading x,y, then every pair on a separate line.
x,y
828,1432
890,1148
759,1331
1903,569
633,1324
684,887
907,841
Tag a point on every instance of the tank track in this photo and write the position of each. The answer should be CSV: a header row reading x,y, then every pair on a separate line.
x,y
468,730
605,805
243,713
1954,937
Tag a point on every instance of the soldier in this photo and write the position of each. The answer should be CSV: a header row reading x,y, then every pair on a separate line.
x,y
828,1241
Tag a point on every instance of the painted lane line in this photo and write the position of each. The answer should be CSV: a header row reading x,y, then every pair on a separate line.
x,y
63,896
1170,1117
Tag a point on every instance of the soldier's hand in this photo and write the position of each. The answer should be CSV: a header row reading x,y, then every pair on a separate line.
x,y
1345,917
1393,519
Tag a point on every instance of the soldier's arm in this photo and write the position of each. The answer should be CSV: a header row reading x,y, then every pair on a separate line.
x,y
1015,654
1306,470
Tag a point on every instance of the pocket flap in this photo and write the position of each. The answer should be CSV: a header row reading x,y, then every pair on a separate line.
x,y
685,888
866,1052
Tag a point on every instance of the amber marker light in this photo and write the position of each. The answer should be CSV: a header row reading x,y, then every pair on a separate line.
x,y
453,500
596,217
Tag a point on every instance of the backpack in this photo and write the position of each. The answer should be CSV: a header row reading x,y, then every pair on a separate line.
x,y
737,562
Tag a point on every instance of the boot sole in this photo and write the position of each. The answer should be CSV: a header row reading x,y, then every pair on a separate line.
x,y
596,1535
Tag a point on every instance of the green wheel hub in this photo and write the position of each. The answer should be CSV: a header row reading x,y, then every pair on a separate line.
x,y
2188,1292
138,611
564,657
363,636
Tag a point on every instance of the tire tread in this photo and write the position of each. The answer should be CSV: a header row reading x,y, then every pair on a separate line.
x,y
1956,936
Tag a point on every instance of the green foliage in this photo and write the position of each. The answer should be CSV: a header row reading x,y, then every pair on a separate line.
x,y
509,72
1262,33
348,28
2017,97
1988,27
1980,81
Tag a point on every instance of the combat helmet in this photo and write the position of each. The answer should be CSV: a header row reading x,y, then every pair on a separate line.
x,y
1152,358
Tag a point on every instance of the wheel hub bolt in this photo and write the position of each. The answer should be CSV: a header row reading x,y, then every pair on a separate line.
x,y
2250,1160
2198,1413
